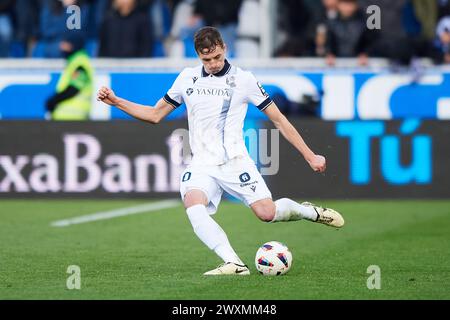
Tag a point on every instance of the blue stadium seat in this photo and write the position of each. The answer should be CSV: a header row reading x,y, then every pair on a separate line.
x,y
189,48
92,47
158,49
17,50
38,50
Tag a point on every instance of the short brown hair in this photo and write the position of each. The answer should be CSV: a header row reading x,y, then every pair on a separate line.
x,y
207,38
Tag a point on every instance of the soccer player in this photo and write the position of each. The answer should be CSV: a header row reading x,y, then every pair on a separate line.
x,y
216,94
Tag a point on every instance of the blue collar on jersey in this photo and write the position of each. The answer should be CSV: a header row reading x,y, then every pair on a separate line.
x,y
226,68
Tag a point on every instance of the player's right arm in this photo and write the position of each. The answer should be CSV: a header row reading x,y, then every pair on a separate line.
x,y
145,113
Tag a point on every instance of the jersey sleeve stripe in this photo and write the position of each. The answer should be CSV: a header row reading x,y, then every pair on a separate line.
x,y
264,104
170,101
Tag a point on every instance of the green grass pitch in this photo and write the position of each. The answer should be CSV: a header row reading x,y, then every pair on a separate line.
x,y
156,255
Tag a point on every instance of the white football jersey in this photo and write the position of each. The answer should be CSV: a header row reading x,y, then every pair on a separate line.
x,y
217,106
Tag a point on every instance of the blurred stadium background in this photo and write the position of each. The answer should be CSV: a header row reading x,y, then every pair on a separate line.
x,y
375,102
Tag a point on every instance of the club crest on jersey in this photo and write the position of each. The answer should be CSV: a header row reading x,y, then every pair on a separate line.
x,y
189,91
231,81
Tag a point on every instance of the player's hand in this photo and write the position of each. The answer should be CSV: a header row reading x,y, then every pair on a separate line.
x,y
317,163
107,96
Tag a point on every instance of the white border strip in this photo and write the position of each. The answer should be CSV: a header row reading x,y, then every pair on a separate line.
x,y
117,213
176,65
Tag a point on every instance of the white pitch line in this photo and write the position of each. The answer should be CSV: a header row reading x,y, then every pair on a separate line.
x,y
117,213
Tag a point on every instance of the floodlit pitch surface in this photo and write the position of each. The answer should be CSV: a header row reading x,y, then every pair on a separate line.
x,y
156,255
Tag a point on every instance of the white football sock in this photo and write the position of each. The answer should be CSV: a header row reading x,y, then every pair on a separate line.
x,y
211,234
288,210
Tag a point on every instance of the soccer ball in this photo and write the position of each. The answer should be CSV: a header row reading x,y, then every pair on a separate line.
x,y
273,258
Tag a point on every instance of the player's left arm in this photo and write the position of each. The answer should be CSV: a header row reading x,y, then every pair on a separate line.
x,y
316,162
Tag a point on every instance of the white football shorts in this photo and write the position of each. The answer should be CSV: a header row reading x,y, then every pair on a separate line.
x,y
239,177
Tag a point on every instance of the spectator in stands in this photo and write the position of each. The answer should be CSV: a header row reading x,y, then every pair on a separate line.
x,y
220,14
443,41
347,35
97,11
426,13
125,32
26,30
294,18
53,26
72,100
6,29
443,8
392,40
181,31
327,12
419,20
248,30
